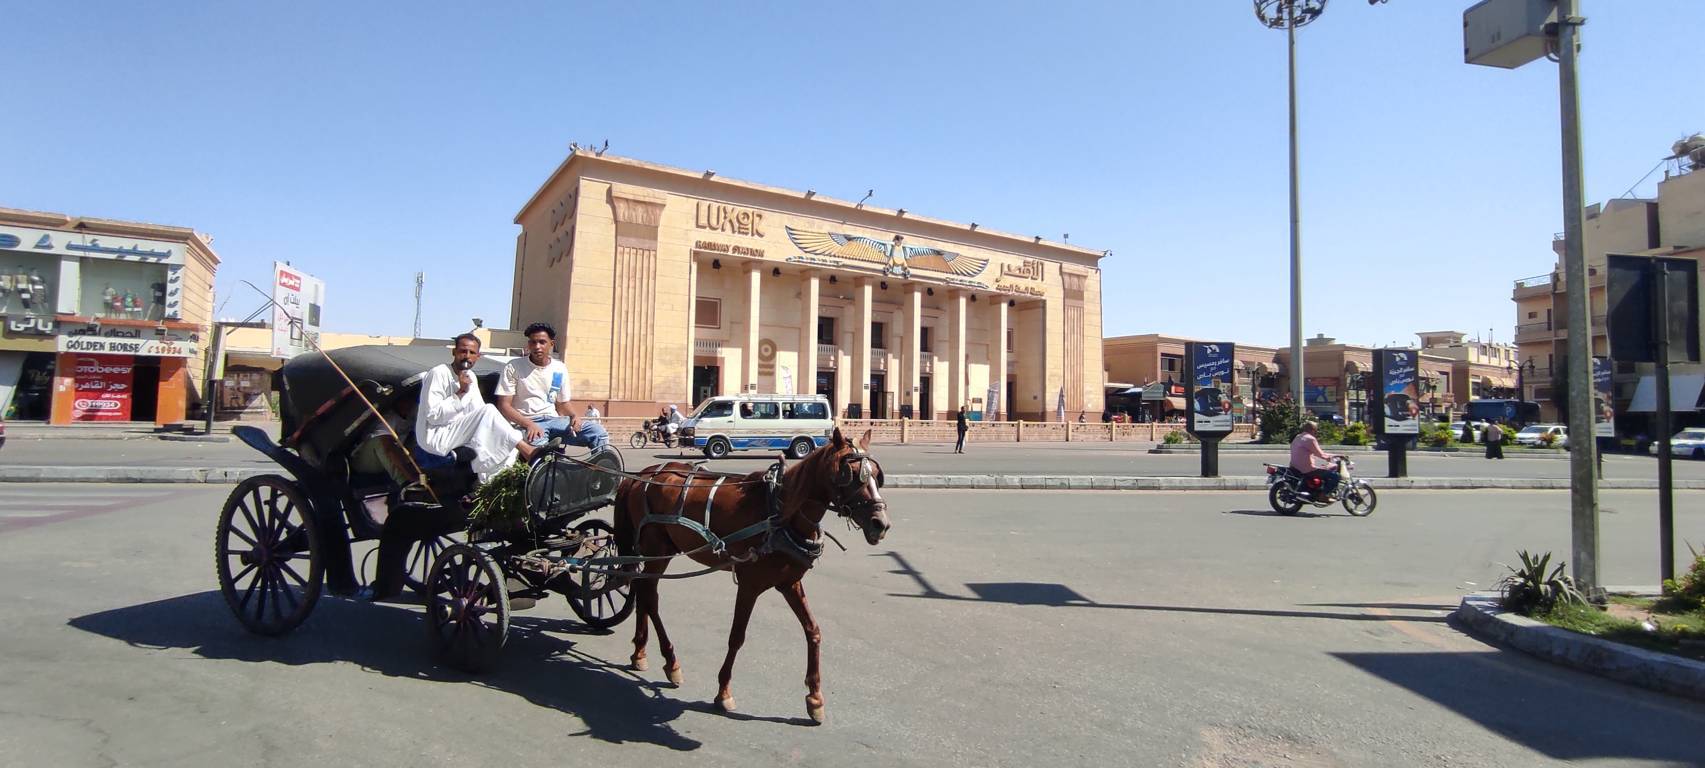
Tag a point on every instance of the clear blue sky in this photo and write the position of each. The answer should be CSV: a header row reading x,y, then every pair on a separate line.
x,y
365,141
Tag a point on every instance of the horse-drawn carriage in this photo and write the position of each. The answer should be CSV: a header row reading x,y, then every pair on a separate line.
x,y
282,540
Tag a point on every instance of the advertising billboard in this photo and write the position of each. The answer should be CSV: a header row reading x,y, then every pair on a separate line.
x,y
103,385
1210,387
1399,408
296,300
1604,404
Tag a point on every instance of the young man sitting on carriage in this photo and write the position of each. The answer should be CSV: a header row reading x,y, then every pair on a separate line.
x,y
534,394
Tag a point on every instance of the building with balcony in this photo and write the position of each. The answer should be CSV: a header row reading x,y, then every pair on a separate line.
x,y
1479,369
669,286
103,320
1671,225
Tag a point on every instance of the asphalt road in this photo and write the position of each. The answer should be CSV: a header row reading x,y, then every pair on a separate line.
x,y
986,458
990,629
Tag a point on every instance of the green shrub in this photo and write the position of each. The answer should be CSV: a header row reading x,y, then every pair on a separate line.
x,y
1438,436
1175,437
1509,434
1357,434
1689,589
1532,589
1330,434
1281,421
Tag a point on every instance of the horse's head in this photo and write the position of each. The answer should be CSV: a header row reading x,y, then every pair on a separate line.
x,y
854,483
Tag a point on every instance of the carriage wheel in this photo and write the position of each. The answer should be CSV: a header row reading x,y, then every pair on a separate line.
x,y
637,440
601,600
421,556
267,554
467,608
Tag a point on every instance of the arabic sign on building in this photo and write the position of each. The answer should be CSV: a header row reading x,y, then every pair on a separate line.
x,y
126,340
296,300
103,385
54,241
1210,386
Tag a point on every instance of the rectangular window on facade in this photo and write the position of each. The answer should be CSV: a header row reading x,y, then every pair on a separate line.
x,y
1532,315
707,313
923,339
826,330
878,335
1009,346
1171,363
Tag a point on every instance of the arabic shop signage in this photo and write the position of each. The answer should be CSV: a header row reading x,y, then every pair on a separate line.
x,y
31,325
717,217
1020,290
123,340
53,241
103,387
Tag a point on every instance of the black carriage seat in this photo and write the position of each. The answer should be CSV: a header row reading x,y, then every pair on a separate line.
x,y
560,489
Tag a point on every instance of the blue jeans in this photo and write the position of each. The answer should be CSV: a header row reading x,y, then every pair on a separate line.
x,y
591,434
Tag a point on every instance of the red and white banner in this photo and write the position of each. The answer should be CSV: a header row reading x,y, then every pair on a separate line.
x,y
103,388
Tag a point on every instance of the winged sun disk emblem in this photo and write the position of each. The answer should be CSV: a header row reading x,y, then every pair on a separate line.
x,y
896,258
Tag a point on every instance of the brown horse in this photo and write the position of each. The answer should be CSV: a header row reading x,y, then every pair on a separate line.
x,y
839,476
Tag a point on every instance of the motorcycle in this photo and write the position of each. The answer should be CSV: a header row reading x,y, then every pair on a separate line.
x,y
1286,491
653,431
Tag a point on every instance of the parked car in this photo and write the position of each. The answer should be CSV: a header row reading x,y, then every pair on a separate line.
x,y
1533,435
1688,442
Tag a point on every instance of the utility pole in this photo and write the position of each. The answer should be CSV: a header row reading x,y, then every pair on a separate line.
x,y
1583,477
419,283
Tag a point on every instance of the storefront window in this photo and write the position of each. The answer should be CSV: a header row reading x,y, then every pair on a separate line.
x,y
29,283
120,289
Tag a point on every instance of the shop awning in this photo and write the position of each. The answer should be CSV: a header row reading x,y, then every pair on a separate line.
x,y
1684,391
1175,403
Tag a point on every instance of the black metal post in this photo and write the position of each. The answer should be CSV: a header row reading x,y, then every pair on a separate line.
x,y
1666,480
1211,457
1398,455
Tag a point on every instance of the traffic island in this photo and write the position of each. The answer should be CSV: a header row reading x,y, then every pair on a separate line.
x,y
1480,615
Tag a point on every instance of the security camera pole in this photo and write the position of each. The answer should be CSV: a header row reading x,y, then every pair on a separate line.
x,y
1508,34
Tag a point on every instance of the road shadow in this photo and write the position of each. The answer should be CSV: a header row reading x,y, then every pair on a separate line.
x,y
1271,513
539,663
1389,606
1563,714
1050,595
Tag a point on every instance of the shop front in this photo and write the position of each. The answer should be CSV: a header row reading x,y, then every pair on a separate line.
x,y
122,371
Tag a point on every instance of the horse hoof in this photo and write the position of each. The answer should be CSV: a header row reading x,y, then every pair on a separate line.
x,y
816,713
675,677
639,665
726,704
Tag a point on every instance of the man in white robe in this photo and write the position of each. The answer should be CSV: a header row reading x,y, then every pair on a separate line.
x,y
453,415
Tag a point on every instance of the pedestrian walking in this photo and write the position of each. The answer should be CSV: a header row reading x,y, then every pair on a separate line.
x,y
963,427
1494,440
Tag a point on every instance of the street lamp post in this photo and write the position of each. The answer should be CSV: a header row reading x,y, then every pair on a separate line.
x,y
1289,15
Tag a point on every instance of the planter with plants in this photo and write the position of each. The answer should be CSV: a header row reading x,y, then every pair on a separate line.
x,y
1671,623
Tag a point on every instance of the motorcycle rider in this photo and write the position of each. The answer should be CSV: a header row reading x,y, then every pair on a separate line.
x,y
673,420
1305,450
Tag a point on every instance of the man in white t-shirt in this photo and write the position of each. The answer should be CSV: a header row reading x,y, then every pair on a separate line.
x,y
533,393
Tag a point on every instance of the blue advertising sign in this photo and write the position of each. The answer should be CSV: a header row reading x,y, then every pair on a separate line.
x,y
1604,405
1210,387
1399,409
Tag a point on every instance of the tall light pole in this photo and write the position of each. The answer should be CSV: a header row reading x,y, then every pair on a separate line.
x,y
1288,15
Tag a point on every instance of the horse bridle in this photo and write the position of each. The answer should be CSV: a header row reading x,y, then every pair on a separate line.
x,y
855,472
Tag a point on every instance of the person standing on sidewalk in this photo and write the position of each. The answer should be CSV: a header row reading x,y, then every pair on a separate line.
x,y
963,427
1494,440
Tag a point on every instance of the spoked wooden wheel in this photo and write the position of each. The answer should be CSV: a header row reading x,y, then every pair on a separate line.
x,y
467,608
421,556
601,599
267,554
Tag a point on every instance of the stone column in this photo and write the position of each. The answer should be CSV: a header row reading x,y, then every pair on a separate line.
x,y
809,292
692,326
754,294
956,368
997,366
861,348
633,303
914,346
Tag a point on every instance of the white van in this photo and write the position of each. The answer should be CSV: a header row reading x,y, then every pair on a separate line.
x,y
798,424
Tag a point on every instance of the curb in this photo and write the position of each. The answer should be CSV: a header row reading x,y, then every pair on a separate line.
x,y
1480,615
60,474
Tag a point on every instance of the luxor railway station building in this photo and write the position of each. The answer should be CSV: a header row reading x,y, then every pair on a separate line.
x,y
670,285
